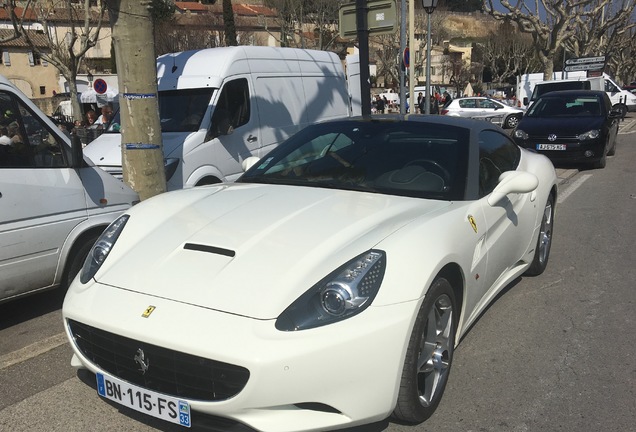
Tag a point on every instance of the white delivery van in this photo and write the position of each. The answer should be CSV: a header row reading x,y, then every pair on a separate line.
x,y
219,106
621,99
53,202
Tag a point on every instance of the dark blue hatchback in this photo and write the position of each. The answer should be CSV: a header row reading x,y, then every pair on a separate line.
x,y
570,126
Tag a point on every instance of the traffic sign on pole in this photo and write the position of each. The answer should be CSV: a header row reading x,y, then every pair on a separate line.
x,y
585,60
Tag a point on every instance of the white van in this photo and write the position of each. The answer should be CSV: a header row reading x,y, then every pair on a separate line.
x,y
219,106
53,202
621,99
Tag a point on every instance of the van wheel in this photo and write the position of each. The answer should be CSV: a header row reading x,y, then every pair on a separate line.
x,y
76,260
208,181
622,108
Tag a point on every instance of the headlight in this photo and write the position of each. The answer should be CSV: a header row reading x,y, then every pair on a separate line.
x,y
590,135
520,134
342,294
101,248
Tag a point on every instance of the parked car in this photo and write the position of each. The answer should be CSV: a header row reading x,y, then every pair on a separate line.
x,y
571,126
327,287
484,107
54,203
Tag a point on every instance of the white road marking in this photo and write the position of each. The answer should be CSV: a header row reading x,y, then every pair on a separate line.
x,y
33,350
572,187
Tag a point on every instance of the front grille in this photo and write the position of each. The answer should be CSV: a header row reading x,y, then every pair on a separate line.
x,y
169,372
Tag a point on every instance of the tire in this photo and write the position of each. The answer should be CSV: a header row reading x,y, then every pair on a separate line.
x,y
612,151
544,242
623,109
76,261
431,345
601,163
512,122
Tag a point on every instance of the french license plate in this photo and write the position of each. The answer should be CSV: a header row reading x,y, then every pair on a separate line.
x,y
551,147
146,401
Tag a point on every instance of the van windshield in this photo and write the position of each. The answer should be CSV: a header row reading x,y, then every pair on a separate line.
x,y
179,110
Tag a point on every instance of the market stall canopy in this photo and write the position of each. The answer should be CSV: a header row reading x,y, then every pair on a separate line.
x,y
91,96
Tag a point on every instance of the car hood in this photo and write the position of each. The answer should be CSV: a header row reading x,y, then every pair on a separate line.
x,y
250,250
105,150
559,125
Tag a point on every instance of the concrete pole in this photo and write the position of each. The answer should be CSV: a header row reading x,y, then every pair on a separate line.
x,y
427,99
412,55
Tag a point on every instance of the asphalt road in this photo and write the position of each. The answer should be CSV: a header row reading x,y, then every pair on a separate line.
x,y
552,353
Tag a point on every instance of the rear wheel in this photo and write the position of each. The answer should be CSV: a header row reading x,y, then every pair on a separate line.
x,y
544,242
429,355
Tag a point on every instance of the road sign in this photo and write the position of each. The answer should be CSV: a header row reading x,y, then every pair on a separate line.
x,y
584,67
585,60
406,57
100,86
381,18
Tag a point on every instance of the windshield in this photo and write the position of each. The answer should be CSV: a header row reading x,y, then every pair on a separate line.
x,y
179,110
575,105
405,158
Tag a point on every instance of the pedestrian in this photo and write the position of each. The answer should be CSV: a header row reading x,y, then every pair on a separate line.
x,y
379,104
104,118
91,117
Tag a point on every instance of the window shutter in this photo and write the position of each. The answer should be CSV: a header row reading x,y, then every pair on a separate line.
x,y
6,59
31,59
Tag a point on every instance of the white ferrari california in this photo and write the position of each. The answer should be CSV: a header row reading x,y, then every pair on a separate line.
x,y
326,288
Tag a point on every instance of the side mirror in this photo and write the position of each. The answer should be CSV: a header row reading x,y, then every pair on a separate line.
x,y
249,162
77,153
525,101
513,182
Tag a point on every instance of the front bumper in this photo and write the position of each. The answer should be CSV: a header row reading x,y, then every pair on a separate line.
x,y
340,375
575,152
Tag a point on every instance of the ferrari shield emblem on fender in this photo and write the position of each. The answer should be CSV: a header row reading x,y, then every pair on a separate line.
x,y
148,311
472,222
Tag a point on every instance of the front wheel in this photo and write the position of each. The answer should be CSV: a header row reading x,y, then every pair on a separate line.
x,y
542,250
429,355
76,261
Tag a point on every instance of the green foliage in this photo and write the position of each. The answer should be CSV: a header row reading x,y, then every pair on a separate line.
x,y
161,10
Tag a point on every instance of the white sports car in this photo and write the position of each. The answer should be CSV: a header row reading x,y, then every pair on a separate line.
x,y
326,288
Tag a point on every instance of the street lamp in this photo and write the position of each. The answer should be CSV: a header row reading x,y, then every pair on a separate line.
x,y
429,6
89,76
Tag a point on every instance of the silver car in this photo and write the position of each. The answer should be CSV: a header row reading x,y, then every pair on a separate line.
x,y
484,108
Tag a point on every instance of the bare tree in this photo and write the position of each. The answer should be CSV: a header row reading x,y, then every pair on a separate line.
x,y
556,23
507,53
319,17
67,51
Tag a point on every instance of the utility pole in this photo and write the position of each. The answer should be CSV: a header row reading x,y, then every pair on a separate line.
x,y
142,152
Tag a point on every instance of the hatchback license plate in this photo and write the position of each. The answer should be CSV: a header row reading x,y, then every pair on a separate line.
x,y
551,147
146,401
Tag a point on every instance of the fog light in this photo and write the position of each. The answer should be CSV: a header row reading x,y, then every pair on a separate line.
x,y
589,153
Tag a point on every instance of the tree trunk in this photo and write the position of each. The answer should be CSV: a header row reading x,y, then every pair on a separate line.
x,y
142,152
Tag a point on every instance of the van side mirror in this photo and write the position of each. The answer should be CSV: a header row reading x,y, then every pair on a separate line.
x,y
525,100
77,153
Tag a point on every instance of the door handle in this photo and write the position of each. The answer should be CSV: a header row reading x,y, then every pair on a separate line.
x,y
251,138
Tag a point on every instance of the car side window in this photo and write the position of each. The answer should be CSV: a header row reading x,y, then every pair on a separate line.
x,y
25,142
485,103
232,109
467,103
497,154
